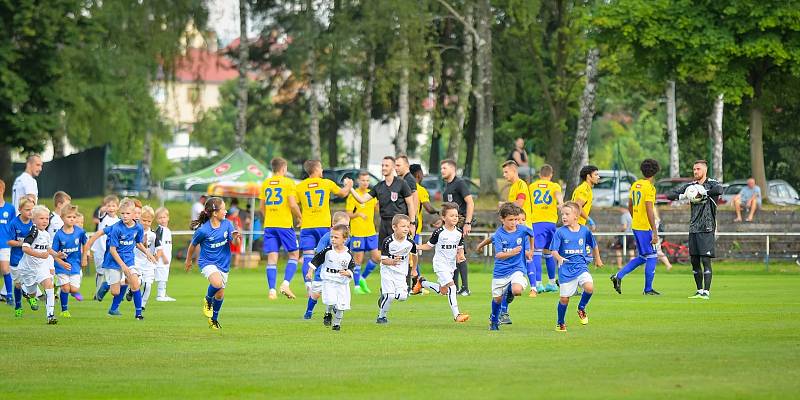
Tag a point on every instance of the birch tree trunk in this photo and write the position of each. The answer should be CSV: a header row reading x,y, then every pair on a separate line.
x,y
580,148
366,116
487,168
401,141
672,130
465,87
313,106
716,137
147,154
241,100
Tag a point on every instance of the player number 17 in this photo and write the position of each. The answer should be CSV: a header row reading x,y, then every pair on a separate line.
x,y
321,194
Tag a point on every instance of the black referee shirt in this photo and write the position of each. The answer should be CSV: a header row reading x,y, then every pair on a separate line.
x,y
391,198
410,181
455,192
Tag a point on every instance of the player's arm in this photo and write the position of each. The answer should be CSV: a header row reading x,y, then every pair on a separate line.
x,y
595,250
362,198
386,256
189,256
582,202
676,193
651,217
33,253
716,189
295,208
554,246
429,208
345,189
485,242
412,210
90,242
559,195
348,272
502,255
557,257
316,262
58,258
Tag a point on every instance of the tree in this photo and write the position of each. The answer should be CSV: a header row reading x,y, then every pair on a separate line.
x,y
580,151
241,100
672,131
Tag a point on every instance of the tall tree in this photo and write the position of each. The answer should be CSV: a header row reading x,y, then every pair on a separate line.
x,y
716,137
464,86
241,100
672,131
580,149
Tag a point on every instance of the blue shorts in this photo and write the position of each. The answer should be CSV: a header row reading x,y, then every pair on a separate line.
x,y
543,234
643,245
363,243
275,238
417,238
309,237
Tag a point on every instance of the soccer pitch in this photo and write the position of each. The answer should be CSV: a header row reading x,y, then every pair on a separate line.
x,y
743,343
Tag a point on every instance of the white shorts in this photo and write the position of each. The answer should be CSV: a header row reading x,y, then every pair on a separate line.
x,y
316,287
5,254
393,281
15,274
499,284
98,263
567,289
444,276
72,280
113,276
209,270
148,274
336,294
162,272
31,276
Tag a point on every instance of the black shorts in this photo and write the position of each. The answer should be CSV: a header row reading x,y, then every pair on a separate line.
x,y
702,244
384,230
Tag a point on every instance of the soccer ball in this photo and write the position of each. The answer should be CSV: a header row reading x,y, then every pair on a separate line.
x,y
691,193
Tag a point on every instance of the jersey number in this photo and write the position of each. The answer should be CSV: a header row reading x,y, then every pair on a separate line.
x,y
540,197
269,201
636,198
321,194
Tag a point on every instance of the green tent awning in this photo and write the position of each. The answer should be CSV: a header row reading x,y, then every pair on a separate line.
x,y
238,166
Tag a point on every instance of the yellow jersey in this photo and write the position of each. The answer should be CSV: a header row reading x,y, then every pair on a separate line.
x,y
424,197
275,193
543,200
519,190
642,191
583,192
360,227
314,196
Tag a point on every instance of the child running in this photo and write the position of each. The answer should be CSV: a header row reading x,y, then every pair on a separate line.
x,y
213,235
163,253
336,265
69,240
18,229
35,266
7,214
448,244
569,247
396,251
110,207
339,217
142,260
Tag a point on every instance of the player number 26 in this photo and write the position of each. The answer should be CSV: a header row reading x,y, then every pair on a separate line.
x,y
273,197
540,197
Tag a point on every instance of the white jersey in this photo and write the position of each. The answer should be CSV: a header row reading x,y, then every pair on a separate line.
x,y
164,242
23,185
38,241
391,248
55,224
332,262
99,246
140,259
446,244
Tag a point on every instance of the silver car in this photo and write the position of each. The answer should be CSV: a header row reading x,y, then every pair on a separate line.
x,y
613,188
780,192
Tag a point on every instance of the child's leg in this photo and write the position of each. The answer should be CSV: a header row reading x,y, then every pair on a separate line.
x,y
531,269
650,271
337,316
291,269
17,296
496,309
432,286
216,303
368,268
588,289
146,288
630,266
65,289
50,302
308,255
161,291
118,291
563,302
8,283
272,275
452,297
550,262
384,302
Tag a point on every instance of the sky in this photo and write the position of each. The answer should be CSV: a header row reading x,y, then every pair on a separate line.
x,y
223,17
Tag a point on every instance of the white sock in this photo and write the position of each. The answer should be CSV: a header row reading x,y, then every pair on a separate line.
x,y
538,283
285,283
432,286
51,301
452,296
162,289
329,310
146,288
385,303
553,281
337,316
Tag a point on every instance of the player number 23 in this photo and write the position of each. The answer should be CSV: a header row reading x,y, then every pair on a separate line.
x,y
321,194
540,197
273,197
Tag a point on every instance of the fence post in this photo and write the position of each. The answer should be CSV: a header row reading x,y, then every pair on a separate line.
x,y
766,255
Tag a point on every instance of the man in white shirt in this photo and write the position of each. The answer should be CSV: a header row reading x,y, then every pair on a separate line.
x,y
198,206
25,183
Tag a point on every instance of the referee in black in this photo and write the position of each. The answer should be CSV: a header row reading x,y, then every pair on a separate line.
x,y
456,191
394,197
702,226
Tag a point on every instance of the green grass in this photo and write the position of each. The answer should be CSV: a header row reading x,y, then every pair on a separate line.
x,y
741,344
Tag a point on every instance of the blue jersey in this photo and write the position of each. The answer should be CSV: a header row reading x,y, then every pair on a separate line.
x,y
214,244
18,230
575,248
71,244
324,242
124,238
504,241
7,214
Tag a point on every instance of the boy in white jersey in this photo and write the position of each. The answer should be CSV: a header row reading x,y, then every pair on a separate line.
x,y
396,251
98,249
144,265
336,264
35,267
448,242
163,253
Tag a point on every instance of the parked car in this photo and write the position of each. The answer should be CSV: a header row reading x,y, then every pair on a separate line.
x,y
665,185
338,174
128,180
780,192
613,188
434,184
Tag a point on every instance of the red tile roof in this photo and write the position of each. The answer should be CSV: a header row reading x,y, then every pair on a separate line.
x,y
204,66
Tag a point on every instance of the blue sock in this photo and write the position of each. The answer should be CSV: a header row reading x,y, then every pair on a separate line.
x,y
216,304
368,269
650,272
64,297
503,305
291,268
537,267
137,301
630,266
17,298
306,260
311,304
117,299
356,274
562,311
584,300
8,284
104,288
551,266
272,275
531,273
496,311
210,292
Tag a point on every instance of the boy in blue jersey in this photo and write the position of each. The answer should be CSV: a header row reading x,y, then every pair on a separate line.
x,y
18,229
508,277
118,262
7,214
338,218
570,248
69,240
213,235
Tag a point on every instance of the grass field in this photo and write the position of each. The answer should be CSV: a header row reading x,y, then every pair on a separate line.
x,y
744,343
